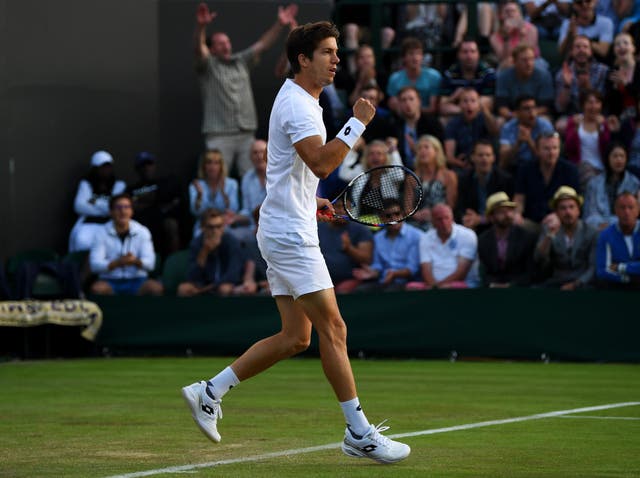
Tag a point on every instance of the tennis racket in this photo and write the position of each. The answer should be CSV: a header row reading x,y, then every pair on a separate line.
x,y
380,196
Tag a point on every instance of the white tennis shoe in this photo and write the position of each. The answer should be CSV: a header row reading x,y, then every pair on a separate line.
x,y
204,409
374,445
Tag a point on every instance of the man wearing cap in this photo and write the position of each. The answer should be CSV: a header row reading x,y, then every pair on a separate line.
x,y
506,249
229,115
538,180
618,249
566,249
156,202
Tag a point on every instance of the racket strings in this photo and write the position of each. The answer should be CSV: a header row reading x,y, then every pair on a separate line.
x,y
367,198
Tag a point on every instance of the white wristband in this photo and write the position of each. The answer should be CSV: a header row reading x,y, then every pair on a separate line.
x,y
351,131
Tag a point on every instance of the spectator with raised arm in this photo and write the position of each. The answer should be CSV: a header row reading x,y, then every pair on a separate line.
x,y
512,32
578,73
229,115
584,20
475,121
518,135
622,88
547,16
565,251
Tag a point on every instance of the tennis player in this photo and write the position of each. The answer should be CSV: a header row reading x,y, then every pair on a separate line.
x,y
288,240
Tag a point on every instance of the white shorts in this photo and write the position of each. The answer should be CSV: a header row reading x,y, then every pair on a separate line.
x,y
295,265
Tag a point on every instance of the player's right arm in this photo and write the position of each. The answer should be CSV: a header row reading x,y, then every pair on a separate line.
x,y
322,159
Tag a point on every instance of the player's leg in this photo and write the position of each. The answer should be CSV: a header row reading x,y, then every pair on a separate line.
x,y
204,398
291,340
361,438
322,309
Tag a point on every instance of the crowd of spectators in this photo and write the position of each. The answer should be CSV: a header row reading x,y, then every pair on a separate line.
x,y
529,169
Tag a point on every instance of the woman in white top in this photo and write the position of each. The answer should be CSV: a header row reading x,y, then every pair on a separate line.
x,y
588,136
604,188
92,201
213,189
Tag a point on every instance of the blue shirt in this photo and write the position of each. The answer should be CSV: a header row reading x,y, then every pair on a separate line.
x,y
612,248
427,84
464,133
509,135
339,263
399,252
509,87
253,193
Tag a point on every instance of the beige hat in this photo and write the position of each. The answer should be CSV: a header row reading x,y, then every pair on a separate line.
x,y
565,192
498,199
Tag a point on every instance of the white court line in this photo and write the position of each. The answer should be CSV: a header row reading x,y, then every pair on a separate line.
x,y
330,446
593,417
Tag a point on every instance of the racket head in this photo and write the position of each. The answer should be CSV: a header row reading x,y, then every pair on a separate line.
x,y
382,196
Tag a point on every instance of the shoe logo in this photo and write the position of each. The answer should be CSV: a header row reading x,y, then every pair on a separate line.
x,y
207,409
368,448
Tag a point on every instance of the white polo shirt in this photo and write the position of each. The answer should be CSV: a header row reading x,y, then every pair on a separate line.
x,y
443,257
290,205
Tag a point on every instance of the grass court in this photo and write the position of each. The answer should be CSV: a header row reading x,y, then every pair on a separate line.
x,y
126,418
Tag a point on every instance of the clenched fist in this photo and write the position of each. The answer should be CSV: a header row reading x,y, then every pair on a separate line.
x,y
364,111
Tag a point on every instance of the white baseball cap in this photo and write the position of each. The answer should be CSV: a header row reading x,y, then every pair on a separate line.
x,y
100,157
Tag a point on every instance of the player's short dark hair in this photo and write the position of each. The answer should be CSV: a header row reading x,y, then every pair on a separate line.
x,y
304,39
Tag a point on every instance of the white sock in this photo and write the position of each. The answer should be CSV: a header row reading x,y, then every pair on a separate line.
x,y
354,416
222,383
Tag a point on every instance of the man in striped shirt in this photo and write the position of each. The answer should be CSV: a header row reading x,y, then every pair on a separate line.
x,y
229,116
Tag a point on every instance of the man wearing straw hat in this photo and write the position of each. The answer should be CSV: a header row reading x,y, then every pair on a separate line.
x,y
566,249
505,249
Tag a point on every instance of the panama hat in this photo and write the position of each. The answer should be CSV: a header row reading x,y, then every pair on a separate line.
x,y
498,199
565,192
